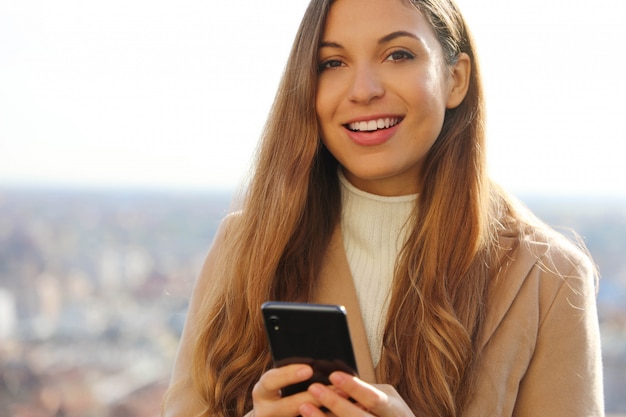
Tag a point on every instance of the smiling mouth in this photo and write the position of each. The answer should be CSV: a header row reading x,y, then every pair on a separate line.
x,y
373,125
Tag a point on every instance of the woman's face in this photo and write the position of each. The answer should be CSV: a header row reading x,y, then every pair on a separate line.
x,y
382,92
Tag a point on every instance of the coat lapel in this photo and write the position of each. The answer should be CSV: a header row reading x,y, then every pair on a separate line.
x,y
508,282
336,287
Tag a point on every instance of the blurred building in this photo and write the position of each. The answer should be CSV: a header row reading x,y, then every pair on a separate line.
x,y
94,289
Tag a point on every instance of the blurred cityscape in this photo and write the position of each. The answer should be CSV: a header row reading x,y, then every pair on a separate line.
x,y
94,287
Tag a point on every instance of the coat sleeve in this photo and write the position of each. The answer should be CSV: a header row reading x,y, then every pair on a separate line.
x,y
564,376
182,399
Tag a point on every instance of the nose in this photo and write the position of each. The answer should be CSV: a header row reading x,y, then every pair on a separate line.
x,y
366,85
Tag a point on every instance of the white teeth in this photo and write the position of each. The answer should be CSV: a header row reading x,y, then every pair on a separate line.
x,y
371,125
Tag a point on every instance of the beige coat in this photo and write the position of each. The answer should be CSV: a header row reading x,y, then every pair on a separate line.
x,y
540,350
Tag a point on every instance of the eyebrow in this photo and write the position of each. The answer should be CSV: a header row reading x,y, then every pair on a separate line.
x,y
383,40
397,34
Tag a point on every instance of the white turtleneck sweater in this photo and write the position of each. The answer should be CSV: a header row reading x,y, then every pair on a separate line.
x,y
374,231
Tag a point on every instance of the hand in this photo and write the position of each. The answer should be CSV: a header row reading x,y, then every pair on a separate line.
x,y
266,397
379,400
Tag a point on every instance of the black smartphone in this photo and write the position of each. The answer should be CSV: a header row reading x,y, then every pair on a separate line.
x,y
314,334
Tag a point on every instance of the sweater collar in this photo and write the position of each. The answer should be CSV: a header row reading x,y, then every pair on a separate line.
x,y
348,188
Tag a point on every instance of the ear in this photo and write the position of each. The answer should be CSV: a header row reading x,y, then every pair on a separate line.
x,y
459,80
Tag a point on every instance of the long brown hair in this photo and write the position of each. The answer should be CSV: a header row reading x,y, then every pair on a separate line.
x,y
443,272
276,244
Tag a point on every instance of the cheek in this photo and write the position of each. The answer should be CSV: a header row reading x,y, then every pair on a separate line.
x,y
330,91
319,107
324,113
429,88
322,102
429,105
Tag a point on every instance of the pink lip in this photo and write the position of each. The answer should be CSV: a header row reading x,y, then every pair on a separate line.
x,y
375,138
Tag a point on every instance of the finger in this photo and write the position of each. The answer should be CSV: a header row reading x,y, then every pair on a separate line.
x,y
333,401
272,381
310,410
367,396
291,405
380,400
266,396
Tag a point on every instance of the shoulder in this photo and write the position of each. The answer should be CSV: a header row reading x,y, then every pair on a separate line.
x,y
182,399
547,276
560,258
542,320
543,269
539,247
555,312
211,268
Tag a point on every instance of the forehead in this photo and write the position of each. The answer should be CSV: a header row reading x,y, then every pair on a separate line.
x,y
363,19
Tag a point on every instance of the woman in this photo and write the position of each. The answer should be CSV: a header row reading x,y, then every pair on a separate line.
x,y
371,191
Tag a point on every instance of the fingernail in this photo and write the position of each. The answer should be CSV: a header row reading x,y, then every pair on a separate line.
x,y
306,410
304,372
316,389
337,378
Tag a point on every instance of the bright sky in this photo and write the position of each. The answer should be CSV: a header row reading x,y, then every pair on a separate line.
x,y
165,93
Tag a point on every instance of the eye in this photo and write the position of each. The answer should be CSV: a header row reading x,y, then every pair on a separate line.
x,y
329,64
399,56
